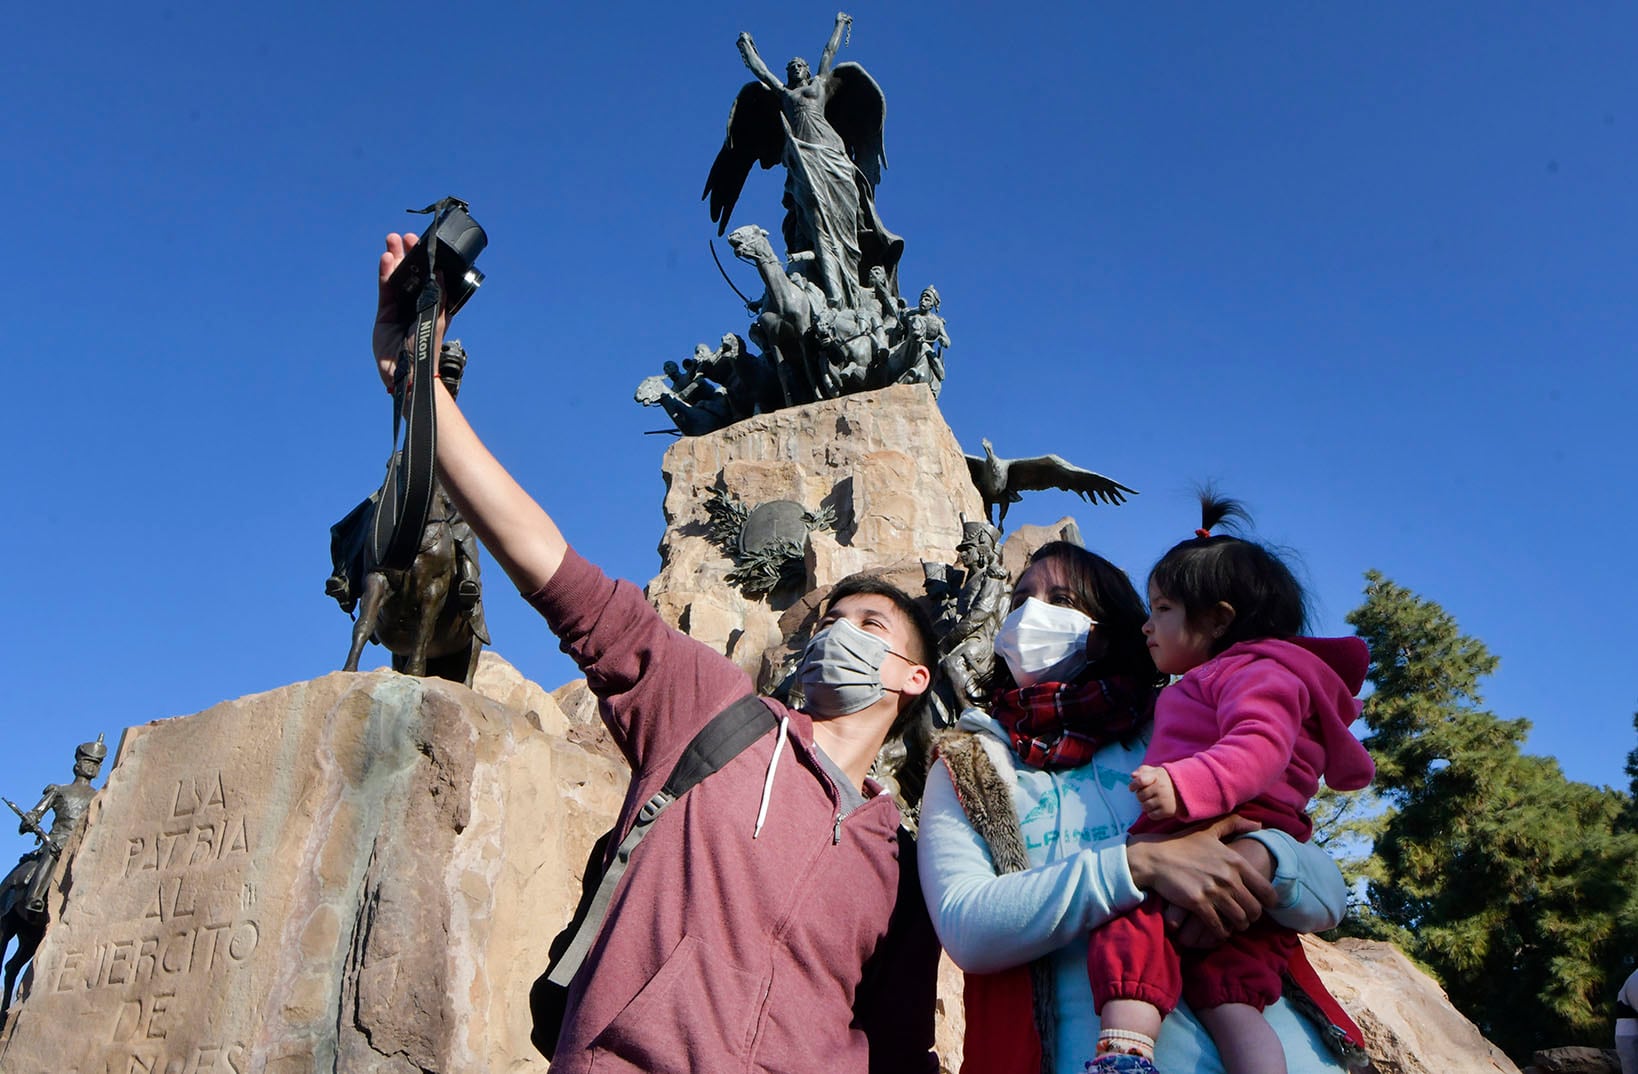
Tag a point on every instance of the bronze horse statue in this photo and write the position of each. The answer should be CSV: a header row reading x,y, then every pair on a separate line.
x,y
784,317
429,615
18,922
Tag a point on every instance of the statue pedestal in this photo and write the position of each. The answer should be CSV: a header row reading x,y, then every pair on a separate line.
x,y
885,462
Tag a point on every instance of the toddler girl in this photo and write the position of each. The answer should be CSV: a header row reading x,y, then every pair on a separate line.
x,y
1257,718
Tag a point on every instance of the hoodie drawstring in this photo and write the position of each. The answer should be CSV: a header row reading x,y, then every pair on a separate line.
x,y
773,766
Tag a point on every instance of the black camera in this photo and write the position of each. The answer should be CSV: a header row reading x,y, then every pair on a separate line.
x,y
459,242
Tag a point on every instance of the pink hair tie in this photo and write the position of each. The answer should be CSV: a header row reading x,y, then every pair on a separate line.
x,y
1202,533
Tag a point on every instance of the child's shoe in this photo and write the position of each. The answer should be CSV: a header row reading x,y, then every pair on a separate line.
x,y
1116,1063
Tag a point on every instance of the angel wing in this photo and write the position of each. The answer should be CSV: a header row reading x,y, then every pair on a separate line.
x,y
1053,472
857,110
756,135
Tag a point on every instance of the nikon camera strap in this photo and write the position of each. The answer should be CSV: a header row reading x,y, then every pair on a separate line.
x,y
406,495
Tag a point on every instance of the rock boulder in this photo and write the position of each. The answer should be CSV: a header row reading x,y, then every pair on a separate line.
x,y
1409,1025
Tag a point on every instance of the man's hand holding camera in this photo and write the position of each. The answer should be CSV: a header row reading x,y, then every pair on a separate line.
x,y
450,249
393,332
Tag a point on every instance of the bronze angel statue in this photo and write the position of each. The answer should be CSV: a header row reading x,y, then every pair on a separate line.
x,y
826,129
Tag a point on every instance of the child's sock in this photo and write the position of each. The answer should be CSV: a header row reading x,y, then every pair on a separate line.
x,y
1125,1042
1120,1051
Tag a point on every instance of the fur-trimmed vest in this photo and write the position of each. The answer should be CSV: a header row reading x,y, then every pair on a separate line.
x,y
1010,1016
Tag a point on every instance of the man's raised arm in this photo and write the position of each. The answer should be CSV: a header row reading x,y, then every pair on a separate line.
x,y
513,527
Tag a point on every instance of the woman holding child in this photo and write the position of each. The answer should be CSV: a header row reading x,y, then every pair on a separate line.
x,y
1024,850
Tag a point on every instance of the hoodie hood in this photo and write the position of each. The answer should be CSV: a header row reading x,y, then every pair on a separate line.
x,y
1333,670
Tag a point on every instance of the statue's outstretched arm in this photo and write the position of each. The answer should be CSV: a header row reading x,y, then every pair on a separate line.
x,y
843,21
753,60
48,799
878,284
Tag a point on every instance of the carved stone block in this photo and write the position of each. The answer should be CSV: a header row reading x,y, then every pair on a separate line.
x,y
361,872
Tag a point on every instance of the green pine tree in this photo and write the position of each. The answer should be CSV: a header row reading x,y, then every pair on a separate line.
x,y
1347,824
1630,820
1513,884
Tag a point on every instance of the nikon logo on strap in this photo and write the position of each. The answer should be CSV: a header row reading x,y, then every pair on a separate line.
x,y
448,248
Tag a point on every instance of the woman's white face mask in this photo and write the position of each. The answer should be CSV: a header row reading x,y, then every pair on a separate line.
x,y
1044,642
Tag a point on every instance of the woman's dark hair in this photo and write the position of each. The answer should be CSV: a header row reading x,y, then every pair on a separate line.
x,y
1103,592
1268,601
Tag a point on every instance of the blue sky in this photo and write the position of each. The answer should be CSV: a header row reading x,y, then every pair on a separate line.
x,y
1368,267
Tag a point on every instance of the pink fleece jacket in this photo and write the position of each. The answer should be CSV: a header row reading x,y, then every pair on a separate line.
x,y
806,948
1261,723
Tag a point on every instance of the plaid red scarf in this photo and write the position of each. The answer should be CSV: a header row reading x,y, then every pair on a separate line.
x,y
1056,725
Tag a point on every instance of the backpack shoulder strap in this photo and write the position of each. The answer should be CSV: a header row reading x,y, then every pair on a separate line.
x,y
718,742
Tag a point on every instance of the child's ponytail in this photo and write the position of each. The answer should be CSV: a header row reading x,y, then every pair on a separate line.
x,y
1268,601
1218,510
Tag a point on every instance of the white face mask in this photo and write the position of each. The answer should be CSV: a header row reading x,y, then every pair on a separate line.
x,y
1044,642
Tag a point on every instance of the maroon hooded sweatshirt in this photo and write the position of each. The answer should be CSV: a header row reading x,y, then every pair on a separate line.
x,y
805,948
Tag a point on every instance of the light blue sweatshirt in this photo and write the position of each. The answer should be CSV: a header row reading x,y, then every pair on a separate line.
x,y
1074,824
